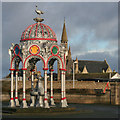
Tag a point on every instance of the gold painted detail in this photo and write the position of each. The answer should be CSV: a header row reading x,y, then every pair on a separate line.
x,y
34,49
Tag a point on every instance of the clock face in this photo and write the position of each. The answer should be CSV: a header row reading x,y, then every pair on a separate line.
x,y
55,50
34,49
16,50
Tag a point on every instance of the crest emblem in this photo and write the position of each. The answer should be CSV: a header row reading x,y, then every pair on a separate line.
x,y
34,49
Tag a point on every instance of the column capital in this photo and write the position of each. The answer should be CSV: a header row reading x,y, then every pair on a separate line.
x,y
12,69
32,70
45,68
17,70
51,70
63,69
24,69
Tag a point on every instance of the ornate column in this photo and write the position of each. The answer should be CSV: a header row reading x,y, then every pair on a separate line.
x,y
12,103
46,105
58,71
62,89
32,79
32,104
65,91
16,89
24,104
51,87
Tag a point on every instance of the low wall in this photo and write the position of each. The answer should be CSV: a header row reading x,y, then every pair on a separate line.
x,y
71,98
69,84
89,95
115,93
57,85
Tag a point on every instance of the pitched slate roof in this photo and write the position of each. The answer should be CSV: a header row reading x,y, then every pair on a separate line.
x,y
92,66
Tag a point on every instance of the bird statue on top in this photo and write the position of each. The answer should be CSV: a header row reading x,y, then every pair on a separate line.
x,y
39,12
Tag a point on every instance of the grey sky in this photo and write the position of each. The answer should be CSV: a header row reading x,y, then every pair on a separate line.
x,y
60,0
92,28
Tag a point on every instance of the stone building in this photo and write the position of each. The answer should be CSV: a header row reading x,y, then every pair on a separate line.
x,y
86,66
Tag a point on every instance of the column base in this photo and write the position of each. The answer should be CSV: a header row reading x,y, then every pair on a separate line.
x,y
46,105
52,102
24,104
12,103
17,102
63,104
32,104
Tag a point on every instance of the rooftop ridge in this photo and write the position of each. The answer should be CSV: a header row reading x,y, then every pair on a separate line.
x,y
91,61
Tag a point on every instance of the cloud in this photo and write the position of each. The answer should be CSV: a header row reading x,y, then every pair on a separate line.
x,y
111,52
104,29
102,19
60,0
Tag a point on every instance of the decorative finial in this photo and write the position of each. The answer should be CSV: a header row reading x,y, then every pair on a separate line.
x,y
39,12
64,19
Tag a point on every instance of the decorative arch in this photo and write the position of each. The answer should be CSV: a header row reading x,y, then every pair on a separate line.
x,y
33,56
58,58
13,61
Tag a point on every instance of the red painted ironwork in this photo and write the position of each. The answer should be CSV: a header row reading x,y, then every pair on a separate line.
x,y
31,29
47,30
24,69
26,30
45,68
12,69
106,87
34,55
49,39
62,98
13,59
42,30
36,30
17,69
63,69
55,56
54,35
23,99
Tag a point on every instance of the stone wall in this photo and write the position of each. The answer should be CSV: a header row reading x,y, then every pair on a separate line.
x,y
115,93
69,84
89,96
80,85
72,98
